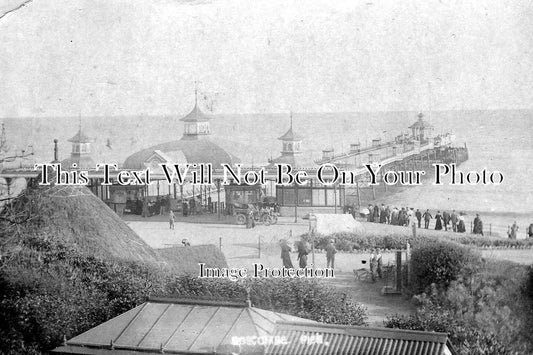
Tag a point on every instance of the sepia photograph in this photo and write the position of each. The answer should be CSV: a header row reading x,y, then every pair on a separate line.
x,y
266,177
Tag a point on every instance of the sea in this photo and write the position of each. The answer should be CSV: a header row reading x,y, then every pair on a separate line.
x,y
497,140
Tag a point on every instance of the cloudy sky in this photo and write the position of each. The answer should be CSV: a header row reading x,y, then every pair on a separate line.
x,y
124,57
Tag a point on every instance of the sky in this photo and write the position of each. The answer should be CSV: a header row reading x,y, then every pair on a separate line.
x,y
124,57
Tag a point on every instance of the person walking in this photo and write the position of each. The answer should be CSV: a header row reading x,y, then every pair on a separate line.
x,y
427,217
330,254
171,219
418,215
454,219
286,254
303,250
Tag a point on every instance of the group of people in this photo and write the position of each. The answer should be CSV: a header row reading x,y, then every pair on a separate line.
x,y
512,231
303,251
406,216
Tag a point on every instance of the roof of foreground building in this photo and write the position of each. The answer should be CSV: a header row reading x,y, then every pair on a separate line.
x,y
181,326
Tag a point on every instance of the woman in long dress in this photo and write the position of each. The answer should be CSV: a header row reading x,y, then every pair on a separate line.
x,y
438,223
461,224
286,254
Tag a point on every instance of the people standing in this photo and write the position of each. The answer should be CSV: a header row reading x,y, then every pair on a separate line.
x,y
376,213
454,219
530,231
379,262
410,216
478,225
192,206
382,214
438,221
286,254
418,215
370,217
303,250
373,264
145,207
402,217
171,219
446,219
427,217
387,214
461,224
330,254
394,217
185,207
514,230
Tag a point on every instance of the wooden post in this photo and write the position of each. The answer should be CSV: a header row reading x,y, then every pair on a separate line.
x,y
220,243
259,245
295,203
335,197
218,198
358,194
373,193
399,271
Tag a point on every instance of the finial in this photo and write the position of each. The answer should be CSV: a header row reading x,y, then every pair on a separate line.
x,y
291,119
112,345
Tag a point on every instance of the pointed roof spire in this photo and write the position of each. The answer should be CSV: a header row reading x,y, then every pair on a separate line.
x,y
196,115
290,135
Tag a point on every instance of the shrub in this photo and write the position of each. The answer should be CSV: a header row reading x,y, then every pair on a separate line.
x,y
486,314
298,297
441,263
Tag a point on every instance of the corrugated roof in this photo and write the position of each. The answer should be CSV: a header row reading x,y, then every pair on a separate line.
x,y
179,326
323,339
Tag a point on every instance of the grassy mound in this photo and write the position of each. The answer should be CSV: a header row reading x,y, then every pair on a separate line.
x,y
188,258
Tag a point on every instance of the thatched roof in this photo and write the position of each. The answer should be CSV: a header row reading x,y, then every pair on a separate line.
x,y
74,215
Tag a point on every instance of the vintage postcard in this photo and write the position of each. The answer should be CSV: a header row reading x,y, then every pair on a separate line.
x,y
266,177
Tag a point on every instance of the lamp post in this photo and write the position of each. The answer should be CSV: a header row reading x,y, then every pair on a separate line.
x,y
312,229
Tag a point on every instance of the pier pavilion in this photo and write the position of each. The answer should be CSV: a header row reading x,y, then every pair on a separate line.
x,y
314,195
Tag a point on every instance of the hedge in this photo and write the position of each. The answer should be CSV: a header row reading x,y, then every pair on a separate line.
x,y
350,242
